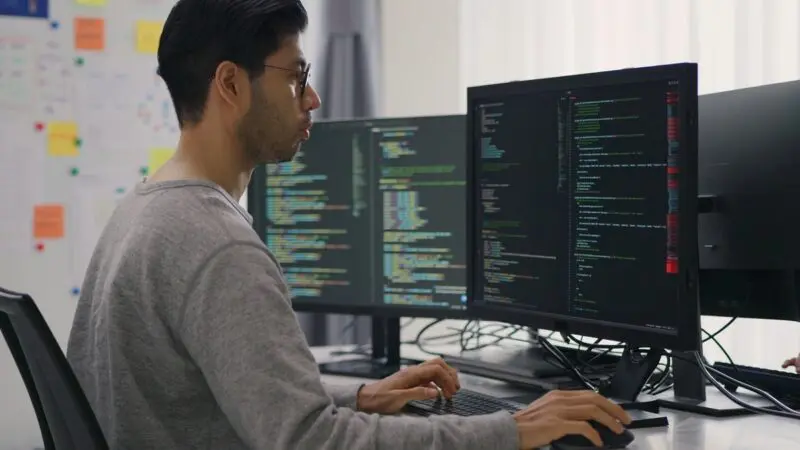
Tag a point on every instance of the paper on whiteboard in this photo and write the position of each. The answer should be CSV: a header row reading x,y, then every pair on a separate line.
x,y
55,81
104,107
17,68
156,113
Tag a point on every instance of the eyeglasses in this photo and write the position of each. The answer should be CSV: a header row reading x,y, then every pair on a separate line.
x,y
302,75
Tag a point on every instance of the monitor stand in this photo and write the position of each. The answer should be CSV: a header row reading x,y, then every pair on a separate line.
x,y
633,370
534,368
385,359
691,394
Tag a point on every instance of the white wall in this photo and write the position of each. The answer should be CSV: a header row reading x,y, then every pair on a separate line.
x,y
433,50
421,73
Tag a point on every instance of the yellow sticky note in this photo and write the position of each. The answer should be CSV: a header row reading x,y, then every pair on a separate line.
x,y
158,156
148,33
48,221
62,139
91,2
90,33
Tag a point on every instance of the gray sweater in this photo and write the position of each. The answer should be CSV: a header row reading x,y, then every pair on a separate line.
x,y
184,338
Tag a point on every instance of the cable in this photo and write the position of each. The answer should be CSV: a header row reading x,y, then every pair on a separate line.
x,y
662,384
713,338
784,412
497,338
350,324
706,369
596,344
420,343
567,364
666,375
721,329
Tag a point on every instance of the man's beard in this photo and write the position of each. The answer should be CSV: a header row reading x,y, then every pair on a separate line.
x,y
259,131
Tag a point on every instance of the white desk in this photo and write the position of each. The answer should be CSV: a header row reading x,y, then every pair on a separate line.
x,y
685,431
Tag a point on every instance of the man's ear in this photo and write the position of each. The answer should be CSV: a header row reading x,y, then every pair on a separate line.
x,y
231,83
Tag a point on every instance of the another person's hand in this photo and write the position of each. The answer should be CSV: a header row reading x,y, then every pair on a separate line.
x,y
792,362
421,382
561,413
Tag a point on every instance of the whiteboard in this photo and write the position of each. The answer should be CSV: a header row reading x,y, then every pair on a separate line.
x,y
82,114
88,68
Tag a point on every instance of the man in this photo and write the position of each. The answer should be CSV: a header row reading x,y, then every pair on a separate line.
x,y
184,336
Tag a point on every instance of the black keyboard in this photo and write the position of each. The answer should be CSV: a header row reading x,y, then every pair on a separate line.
x,y
463,403
470,403
778,383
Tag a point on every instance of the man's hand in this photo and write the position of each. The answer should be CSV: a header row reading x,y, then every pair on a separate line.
x,y
793,362
421,382
561,413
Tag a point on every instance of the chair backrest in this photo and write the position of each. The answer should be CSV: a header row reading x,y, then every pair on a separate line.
x,y
65,416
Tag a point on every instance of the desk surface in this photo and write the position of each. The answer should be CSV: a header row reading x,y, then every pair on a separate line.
x,y
686,431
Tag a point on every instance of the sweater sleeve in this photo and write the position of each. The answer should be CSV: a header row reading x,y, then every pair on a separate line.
x,y
238,326
343,396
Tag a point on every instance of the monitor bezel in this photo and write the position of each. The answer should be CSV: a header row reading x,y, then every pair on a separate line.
x,y
687,335
256,206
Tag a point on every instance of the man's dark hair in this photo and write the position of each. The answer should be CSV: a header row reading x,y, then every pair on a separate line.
x,y
200,34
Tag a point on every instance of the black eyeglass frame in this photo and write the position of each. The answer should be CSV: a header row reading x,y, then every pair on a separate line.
x,y
303,75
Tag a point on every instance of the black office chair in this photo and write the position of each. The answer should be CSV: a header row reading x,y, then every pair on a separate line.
x,y
65,416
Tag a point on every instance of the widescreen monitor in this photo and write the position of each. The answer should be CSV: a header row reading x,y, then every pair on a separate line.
x,y
368,219
583,205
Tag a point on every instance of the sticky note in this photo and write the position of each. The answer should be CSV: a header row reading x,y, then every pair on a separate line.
x,y
148,33
62,138
91,2
48,221
90,33
158,156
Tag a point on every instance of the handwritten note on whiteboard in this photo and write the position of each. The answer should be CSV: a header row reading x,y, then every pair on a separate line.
x,y
17,70
54,80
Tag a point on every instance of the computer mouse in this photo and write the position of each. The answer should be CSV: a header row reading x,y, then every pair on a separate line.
x,y
611,440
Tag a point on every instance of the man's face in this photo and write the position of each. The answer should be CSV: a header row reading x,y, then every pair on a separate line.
x,y
279,118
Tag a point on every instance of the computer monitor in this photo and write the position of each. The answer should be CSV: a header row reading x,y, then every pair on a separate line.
x,y
749,169
748,182
583,209
368,220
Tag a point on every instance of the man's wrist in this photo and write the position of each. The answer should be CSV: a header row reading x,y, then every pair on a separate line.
x,y
359,401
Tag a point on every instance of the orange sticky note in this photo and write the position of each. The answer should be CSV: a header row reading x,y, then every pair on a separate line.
x,y
48,221
90,33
